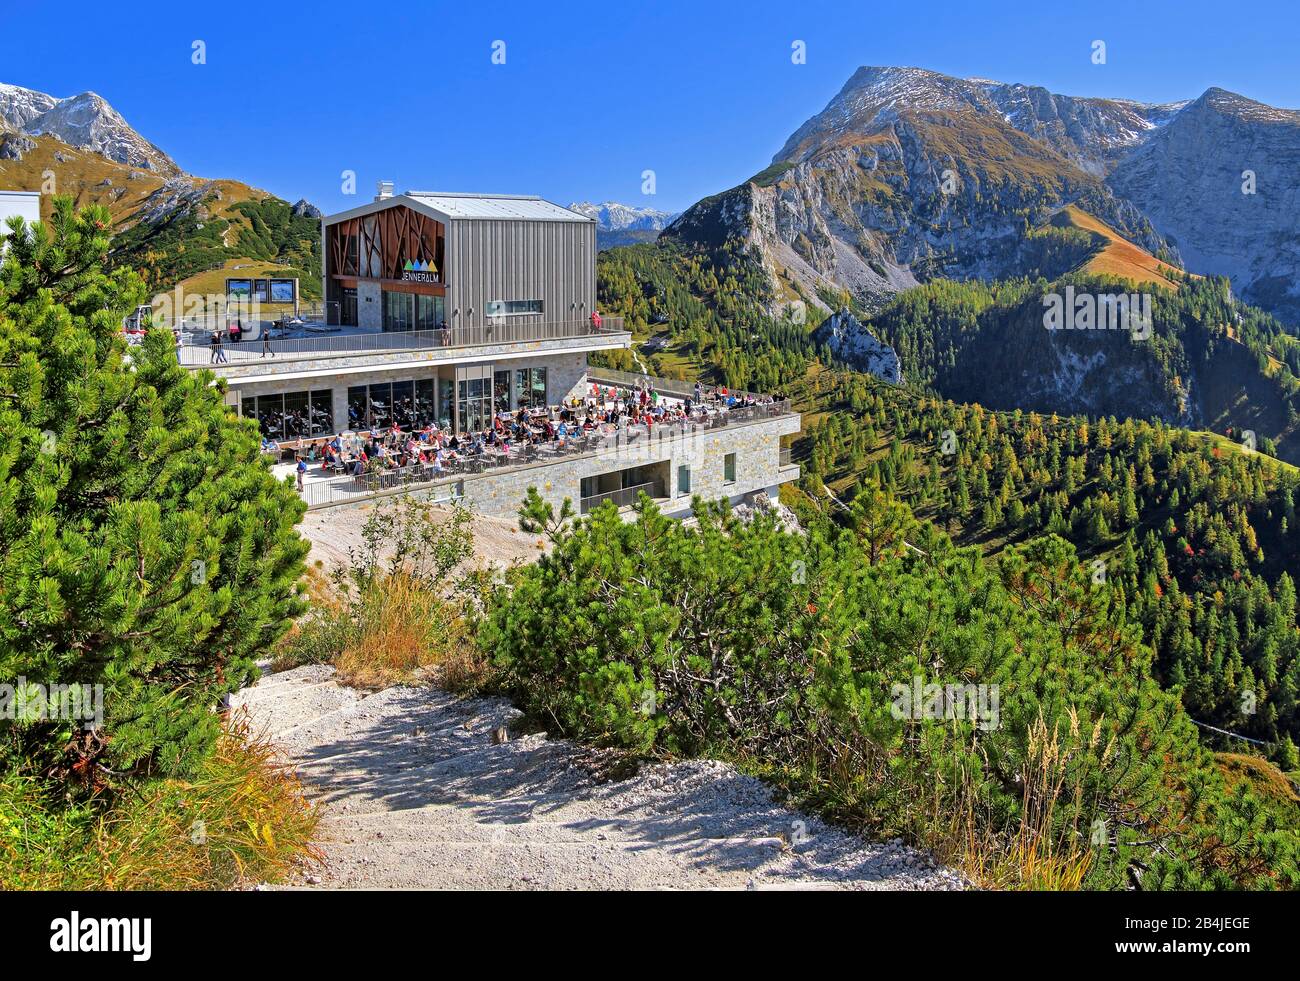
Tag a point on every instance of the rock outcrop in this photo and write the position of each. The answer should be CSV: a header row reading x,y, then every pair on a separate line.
x,y
850,340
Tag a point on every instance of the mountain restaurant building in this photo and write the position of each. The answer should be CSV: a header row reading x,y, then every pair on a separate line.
x,y
446,309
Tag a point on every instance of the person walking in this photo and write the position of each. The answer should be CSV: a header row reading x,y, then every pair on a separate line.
x,y
301,469
266,342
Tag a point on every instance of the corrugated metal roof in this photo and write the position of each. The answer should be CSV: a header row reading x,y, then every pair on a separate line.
x,y
518,207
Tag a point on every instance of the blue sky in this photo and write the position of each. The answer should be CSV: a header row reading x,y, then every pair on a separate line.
x,y
591,94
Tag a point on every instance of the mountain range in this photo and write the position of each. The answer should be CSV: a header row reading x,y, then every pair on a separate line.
x,y
176,228
622,224
910,174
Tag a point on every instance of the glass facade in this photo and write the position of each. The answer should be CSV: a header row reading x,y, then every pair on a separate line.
x,y
293,415
474,404
413,311
430,312
399,311
501,390
530,388
408,403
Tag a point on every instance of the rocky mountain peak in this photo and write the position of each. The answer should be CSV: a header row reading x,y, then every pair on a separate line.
x,y
86,121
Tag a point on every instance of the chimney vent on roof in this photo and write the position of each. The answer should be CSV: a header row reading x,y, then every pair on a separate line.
x,y
385,189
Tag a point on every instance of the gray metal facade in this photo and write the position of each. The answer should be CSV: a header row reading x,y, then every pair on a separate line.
x,y
551,261
487,259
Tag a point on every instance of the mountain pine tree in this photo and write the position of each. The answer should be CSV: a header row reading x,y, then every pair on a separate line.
x,y
144,544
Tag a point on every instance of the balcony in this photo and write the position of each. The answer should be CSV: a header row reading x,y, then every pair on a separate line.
x,y
321,343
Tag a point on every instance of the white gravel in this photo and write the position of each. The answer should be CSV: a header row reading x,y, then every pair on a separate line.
x,y
415,793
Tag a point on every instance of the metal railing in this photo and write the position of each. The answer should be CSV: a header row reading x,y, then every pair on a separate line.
x,y
198,351
338,490
623,497
677,387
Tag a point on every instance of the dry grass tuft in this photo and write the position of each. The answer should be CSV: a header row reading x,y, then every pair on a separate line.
x,y
241,819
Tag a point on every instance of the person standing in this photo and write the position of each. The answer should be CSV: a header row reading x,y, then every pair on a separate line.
x,y
301,469
266,342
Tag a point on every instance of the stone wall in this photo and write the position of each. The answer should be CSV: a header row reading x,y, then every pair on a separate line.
x,y
370,306
756,445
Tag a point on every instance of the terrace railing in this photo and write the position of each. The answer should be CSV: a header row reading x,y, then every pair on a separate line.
x,y
337,490
675,387
197,351
628,439
621,498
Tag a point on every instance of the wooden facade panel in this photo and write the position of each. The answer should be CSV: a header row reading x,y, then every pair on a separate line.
x,y
378,246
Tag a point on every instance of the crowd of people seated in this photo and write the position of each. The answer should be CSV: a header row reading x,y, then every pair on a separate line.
x,y
432,451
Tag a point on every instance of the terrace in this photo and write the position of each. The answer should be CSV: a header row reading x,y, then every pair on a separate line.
x,y
317,342
589,436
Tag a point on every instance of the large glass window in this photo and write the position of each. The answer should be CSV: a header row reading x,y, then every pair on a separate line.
x,y
474,397
512,308
446,393
381,405
530,388
501,390
426,409
294,415
399,310
410,402
358,407
430,312
270,415
404,404
321,413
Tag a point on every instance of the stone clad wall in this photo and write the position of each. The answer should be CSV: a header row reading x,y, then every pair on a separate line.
x,y
370,306
756,445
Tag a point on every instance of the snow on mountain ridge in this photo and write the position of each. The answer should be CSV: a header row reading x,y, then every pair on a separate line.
x,y
613,216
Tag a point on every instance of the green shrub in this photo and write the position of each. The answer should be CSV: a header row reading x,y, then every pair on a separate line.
x,y
144,544
784,651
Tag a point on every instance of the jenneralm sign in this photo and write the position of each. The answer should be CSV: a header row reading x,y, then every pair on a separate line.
x,y
419,272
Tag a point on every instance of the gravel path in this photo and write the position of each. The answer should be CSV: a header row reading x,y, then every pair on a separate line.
x,y
417,792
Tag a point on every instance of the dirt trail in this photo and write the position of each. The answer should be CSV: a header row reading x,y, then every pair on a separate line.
x,y
416,792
